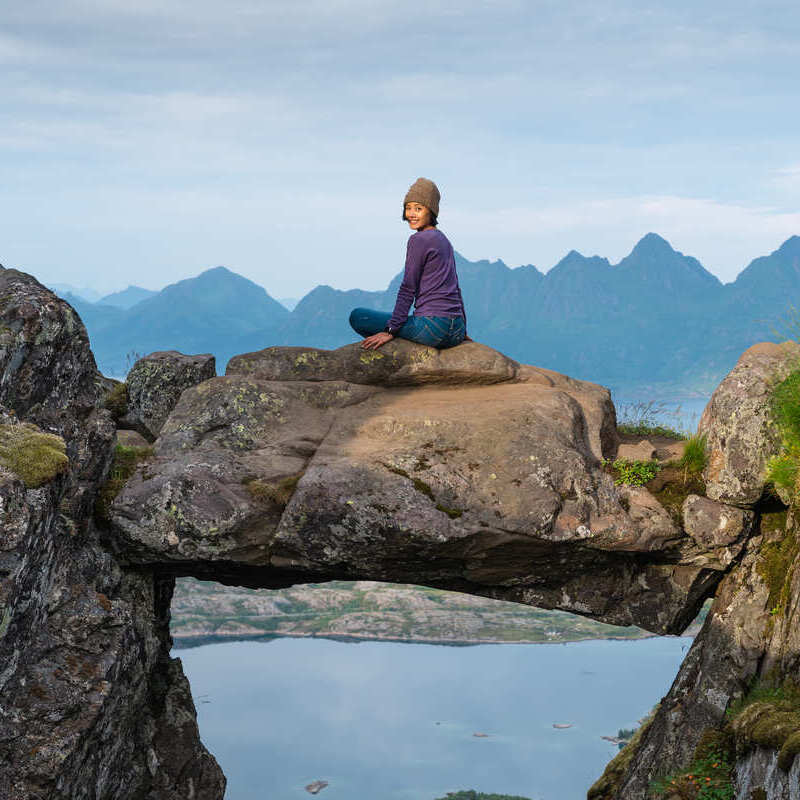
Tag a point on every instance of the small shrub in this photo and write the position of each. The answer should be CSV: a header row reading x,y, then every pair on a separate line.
x,y
633,473
35,456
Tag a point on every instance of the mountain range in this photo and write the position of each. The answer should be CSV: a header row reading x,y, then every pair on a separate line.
x,y
656,323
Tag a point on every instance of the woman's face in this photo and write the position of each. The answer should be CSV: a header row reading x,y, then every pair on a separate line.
x,y
417,216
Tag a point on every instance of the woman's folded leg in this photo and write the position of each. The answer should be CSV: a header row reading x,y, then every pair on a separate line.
x,y
368,322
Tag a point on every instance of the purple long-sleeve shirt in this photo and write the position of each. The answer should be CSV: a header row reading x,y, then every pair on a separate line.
x,y
430,280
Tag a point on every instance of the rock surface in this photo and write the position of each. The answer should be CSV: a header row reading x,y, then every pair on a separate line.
x,y
154,385
269,482
91,705
741,434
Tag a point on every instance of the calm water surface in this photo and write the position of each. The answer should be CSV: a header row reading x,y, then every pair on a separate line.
x,y
389,721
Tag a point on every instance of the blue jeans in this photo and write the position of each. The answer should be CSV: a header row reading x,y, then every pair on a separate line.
x,y
438,332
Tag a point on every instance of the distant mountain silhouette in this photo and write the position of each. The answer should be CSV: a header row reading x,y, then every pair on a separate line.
x,y
127,298
657,322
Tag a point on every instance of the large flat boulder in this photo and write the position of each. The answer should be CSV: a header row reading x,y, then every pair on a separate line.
x,y
312,465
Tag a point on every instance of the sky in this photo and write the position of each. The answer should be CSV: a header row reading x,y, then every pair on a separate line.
x,y
143,142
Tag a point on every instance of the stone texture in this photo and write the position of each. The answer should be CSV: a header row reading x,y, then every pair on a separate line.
x,y
737,422
398,363
641,451
155,384
86,683
716,527
759,770
269,482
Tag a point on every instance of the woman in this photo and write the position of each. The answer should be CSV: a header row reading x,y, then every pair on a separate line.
x,y
430,282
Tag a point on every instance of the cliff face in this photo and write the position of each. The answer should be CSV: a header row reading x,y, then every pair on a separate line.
x,y
92,706
458,469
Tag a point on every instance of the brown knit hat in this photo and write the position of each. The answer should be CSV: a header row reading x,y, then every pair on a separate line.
x,y
425,192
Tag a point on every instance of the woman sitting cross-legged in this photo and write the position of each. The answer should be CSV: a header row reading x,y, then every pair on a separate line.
x,y
430,282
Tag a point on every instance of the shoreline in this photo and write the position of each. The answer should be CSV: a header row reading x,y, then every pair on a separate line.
x,y
198,640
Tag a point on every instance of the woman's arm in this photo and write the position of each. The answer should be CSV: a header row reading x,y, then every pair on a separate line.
x,y
415,259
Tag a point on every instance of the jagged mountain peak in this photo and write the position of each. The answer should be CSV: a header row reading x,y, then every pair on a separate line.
x,y
574,261
790,247
655,260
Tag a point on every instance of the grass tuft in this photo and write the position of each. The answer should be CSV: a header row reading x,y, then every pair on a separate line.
x,y
695,456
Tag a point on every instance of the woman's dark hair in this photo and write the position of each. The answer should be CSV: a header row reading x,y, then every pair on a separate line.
x,y
432,216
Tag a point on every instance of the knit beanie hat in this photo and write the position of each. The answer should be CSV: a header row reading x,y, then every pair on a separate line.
x,y
424,192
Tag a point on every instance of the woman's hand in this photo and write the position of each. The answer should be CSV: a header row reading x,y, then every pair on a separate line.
x,y
377,340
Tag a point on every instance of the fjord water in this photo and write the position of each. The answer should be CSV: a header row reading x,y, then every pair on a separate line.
x,y
395,721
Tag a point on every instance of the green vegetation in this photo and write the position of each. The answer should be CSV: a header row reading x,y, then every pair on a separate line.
x,y
649,419
783,471
633,473
471,794
35,456
769,716
774,568
709,777
126,459
695,456
116,401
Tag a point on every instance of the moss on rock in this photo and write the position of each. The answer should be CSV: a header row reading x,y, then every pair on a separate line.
x,y
278,492
774,568
769,717
124,464
35,456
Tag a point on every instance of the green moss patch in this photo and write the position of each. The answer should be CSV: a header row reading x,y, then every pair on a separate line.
x,y
277,493
775,569
126,459
35,456
769,716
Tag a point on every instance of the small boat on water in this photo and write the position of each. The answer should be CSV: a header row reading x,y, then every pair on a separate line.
x,y
316,787
561,725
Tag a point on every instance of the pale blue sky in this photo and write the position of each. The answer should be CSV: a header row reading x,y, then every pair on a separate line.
x,y
142,142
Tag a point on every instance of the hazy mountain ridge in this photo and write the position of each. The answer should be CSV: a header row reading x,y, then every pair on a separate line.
x,y
656,322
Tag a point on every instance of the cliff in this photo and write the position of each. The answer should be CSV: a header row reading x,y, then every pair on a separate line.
x,y
458,469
